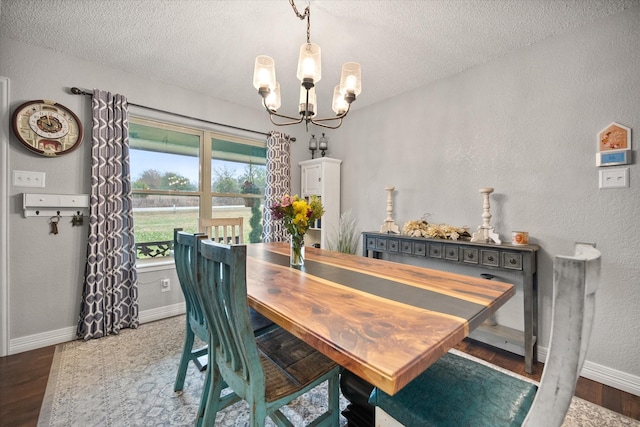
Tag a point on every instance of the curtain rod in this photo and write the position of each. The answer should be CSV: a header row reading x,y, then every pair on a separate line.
x,y
76,91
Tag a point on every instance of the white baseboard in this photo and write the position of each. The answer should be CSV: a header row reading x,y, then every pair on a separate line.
x,y
605,375
44,339
154,314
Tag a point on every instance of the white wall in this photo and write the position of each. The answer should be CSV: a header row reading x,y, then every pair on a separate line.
x,y
526,125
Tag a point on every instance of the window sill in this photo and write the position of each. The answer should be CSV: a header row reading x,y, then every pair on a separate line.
x,y
147,265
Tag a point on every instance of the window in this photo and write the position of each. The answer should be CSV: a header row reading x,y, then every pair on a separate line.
x,y
177,178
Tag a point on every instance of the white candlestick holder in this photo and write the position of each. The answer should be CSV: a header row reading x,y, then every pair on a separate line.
x,y
389,225
485,232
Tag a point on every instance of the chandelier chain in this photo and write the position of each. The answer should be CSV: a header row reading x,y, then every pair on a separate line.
x,y
307,14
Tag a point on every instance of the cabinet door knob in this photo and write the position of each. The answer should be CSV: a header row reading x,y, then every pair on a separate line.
x,y
490,258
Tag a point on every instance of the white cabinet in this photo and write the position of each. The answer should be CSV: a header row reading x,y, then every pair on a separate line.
x,y
321,177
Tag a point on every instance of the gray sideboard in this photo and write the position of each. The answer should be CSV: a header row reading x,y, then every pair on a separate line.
x,y
518,259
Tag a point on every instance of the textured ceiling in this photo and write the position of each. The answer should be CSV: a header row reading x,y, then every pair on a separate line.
x,y
210,46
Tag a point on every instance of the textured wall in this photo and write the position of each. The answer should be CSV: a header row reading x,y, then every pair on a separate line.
x,y
526,125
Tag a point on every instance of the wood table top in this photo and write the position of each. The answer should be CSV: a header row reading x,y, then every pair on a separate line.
x,y
386,322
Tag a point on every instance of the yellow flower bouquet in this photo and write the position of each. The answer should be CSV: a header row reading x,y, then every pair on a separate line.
x,y
298,215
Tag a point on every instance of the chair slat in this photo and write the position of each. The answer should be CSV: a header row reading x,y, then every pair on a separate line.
x,y
229,231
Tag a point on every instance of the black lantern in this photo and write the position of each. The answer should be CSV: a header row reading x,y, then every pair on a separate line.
x,y
313,145
323,145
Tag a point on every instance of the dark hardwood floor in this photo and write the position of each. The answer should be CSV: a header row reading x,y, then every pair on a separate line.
x,y
23,380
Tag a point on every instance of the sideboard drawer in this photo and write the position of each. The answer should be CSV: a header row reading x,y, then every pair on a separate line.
x,y
371,243
512,261
420,248
435,251
393,245
470,255
406,247
490,258
381,244
451,253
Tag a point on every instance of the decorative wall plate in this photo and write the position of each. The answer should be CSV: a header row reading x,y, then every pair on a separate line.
x,y
47,128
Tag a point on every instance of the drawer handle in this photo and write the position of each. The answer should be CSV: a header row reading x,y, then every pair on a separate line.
x,y
512,261
451,253
435,251
490,258
470,256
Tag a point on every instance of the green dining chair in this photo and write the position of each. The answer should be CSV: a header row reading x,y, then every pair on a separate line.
x,y
184,247
461,391
185,260
268,371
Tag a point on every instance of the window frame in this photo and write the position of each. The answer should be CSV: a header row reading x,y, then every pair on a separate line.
x,y
205,192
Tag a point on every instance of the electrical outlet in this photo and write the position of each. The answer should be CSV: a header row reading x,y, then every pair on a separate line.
x,y
614,178
165,285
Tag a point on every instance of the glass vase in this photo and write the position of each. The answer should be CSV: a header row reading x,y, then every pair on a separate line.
x,y
296,255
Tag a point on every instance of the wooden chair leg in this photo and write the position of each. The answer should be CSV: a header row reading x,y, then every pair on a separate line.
x,y
211,399
184,359
334,400
206,391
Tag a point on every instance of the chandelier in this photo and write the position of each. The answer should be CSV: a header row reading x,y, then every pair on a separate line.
x,y
309,73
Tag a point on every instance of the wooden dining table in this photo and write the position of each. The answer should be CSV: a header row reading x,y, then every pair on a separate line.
x,y
384,321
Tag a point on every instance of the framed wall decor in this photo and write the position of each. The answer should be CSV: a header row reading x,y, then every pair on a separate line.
x,y
614,145
614,137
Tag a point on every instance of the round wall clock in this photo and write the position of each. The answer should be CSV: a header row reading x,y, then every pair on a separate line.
x,y
47,128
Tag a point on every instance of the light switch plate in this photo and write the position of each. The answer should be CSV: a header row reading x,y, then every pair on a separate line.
x,y
28,179
614,178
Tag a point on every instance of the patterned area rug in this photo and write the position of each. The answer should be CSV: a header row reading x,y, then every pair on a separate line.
x,y
127,380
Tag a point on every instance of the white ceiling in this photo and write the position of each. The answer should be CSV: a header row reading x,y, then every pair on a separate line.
x,y
210,46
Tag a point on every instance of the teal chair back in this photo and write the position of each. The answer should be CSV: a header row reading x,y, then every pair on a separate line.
x,y
184,253
269,370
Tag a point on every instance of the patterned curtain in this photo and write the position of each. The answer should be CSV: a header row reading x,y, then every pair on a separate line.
x,y
278,184
110,294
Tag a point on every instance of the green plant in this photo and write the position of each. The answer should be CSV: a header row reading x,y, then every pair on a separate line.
x,y
345,240
255,236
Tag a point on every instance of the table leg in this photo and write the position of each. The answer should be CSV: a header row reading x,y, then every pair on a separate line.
x,y
359,413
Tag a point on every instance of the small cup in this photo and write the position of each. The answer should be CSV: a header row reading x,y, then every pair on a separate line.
x,y
519,237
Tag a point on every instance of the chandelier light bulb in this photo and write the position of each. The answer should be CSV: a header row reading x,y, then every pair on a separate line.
x,y
308,108
350,84
273,100
339,105
264,73
308,67
309,63
350,79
